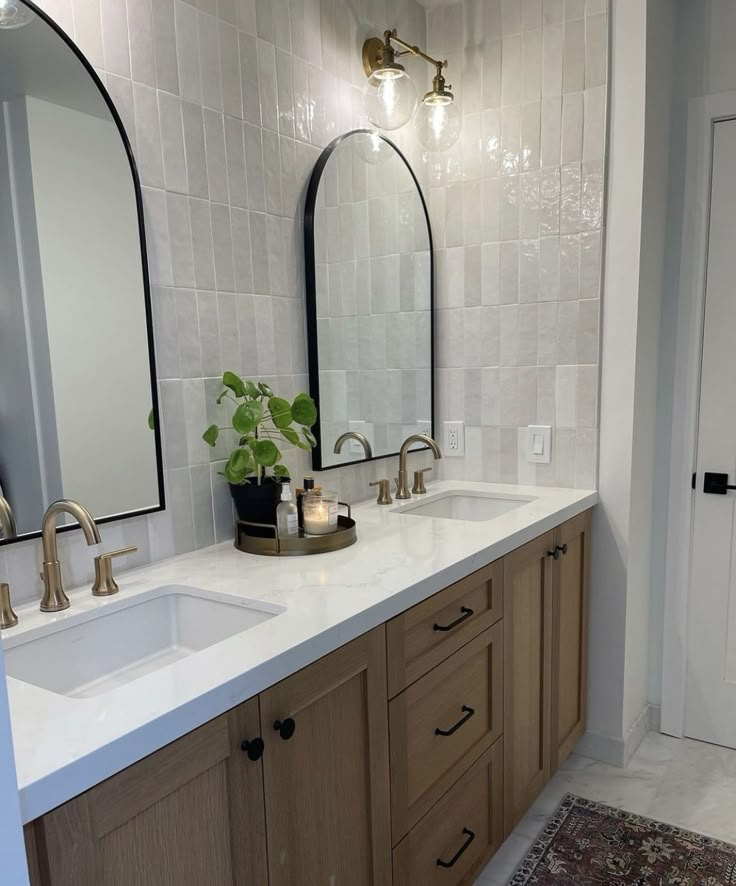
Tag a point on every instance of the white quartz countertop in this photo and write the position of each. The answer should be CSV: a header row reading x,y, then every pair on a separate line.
x,y
65,745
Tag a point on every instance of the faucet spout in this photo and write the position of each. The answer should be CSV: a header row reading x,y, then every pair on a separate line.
x,y
54,597
354,435
402,490
7,519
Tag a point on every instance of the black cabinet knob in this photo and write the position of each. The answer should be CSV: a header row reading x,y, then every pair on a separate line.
x,y
253,747
285,728
555,554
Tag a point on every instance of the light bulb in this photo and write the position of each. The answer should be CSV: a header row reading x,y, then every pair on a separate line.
x,y
389,98
14,14
438,122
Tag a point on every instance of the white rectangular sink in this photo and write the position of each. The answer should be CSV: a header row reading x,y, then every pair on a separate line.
x,y
121,641
464,505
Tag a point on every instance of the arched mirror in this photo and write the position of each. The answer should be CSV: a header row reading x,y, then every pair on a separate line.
x,y
369,270
78,408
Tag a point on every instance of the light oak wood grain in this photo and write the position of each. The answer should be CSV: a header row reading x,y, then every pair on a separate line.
x,y
475,802
414,647
570,638
327,787
528,578
423,764
191,813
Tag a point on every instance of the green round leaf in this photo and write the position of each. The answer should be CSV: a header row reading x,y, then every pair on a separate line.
x,y
280,412
251,389
264,389
210,435
291,435
280,471
234,382
151,421
238,466
266,453
309,437
247,416
303,410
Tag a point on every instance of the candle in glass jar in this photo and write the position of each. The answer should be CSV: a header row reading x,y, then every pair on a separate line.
x,y
320,514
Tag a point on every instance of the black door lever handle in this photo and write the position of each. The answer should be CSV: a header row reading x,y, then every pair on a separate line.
x,y
716,484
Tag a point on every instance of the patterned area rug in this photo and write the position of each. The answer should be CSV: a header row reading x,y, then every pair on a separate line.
x,y
589,843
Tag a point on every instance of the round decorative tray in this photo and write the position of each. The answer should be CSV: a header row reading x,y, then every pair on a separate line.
x,y
278,546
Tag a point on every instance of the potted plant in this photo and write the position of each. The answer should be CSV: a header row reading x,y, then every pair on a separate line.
x,y
263,423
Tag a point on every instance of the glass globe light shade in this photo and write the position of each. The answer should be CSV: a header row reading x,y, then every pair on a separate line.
x,y
14,14
389,97
438,122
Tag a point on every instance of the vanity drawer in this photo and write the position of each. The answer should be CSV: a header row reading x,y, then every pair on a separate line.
x,y
441,724
462,831
429,632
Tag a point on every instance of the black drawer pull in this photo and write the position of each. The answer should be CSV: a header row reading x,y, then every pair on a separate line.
x,y
558,551
468,714
466,613
448,864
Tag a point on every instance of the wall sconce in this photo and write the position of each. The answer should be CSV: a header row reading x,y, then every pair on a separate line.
x,y
390,97
14,14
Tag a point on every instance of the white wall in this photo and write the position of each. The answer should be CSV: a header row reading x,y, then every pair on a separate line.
x,y
93,294
643,37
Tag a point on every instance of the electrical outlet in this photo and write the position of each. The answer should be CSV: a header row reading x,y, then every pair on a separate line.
x,y
424,427
454,439
356,448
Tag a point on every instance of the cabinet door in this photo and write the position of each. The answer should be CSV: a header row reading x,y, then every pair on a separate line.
x,y
326,770
528,577
189,814
570,636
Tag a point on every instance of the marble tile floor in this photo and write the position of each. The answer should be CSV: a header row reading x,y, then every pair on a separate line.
x,y
683,782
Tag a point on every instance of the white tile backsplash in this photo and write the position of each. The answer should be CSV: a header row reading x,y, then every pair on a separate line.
x,y
228,104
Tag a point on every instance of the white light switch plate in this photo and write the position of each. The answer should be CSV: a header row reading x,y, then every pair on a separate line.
x,y
454,439
539,444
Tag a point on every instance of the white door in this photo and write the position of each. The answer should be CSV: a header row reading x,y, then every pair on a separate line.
x,y
710,699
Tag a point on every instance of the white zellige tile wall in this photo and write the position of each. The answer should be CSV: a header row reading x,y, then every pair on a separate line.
x,y
516,210
228,103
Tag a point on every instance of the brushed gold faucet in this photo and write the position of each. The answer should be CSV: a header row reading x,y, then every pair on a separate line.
x,y
54,598
354,435
7,520
402,485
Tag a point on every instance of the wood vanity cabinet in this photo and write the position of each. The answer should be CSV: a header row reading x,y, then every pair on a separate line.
x,y
189,814
471,699
545,658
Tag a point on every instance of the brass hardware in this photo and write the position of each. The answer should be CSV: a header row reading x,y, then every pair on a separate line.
x,y
419,488
7,617
105,584
7,520
402,487
354,435
54,599
384,492
379,53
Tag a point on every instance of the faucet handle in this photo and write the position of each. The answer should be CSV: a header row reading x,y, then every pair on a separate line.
x,y
384,492
105,584
419,488
8,618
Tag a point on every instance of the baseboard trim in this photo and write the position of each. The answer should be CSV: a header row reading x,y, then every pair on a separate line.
x,y
618,750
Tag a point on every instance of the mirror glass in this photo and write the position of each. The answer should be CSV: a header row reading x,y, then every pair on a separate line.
x,y
369,299
77,400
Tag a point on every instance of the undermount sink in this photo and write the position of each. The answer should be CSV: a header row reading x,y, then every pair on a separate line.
x,y
117,643
465,505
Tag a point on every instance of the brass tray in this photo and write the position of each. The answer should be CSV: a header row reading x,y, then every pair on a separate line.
x,y
276,546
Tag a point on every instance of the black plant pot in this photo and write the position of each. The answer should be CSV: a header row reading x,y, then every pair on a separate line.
x,y
257,503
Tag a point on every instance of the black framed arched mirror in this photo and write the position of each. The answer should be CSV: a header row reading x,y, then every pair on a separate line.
x,y
78,404
369,276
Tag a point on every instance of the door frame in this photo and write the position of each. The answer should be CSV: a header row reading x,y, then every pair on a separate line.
x,y
703,113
